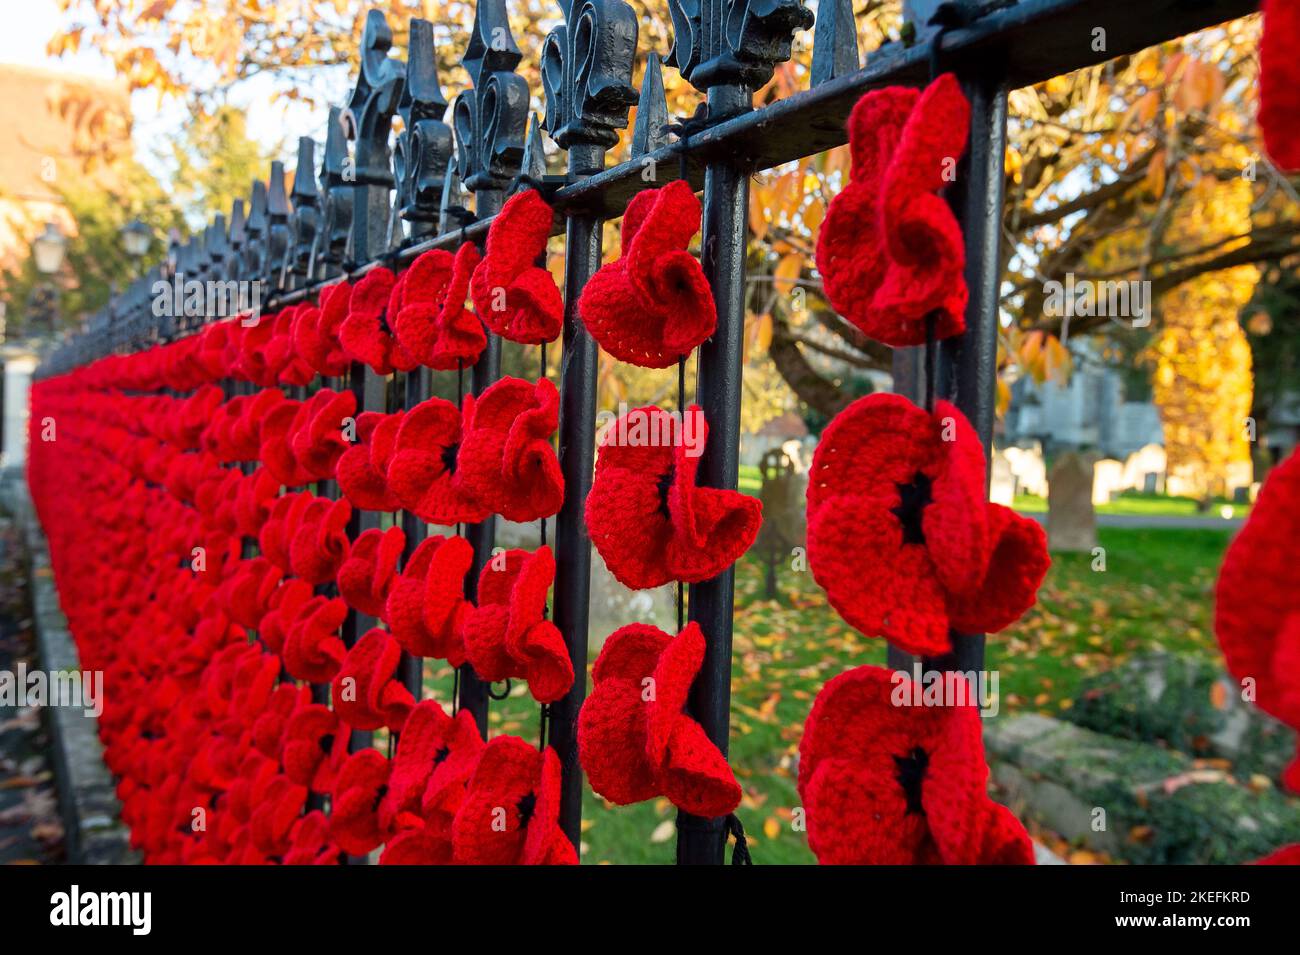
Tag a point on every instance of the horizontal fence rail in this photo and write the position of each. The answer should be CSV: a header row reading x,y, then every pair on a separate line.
x,y
379,201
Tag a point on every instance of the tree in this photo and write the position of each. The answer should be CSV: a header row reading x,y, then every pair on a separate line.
x,y
216,162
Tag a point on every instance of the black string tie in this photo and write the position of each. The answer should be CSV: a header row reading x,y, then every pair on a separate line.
x,y
740,854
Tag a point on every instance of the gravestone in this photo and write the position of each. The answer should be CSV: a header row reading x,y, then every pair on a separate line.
x,y
783,494
1071,517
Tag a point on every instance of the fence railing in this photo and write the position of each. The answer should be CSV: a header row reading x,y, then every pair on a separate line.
x,y
375,200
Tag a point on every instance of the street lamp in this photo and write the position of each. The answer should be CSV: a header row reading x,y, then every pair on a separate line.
x,y
48,249
136,237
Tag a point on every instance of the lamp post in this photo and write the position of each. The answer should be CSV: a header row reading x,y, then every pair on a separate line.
x,y
136,238
48,251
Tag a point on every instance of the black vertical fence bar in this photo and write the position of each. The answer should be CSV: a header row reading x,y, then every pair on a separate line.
x,y
967,365
577,458
411,668
473,692
726,204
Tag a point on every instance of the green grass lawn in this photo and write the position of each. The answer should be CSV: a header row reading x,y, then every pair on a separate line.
x,y
1145,505
1155,592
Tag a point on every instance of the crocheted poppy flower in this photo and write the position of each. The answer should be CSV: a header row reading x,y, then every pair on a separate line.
x,y
508,635
320,542
635,741
510,813
276,452
426,604
1287,855
315,746
309,842
648,520
652,305
506,462
317,433
514,297
368,574
316,332
422,468
890,250
422,739
366,334
313,650
1279,83
362,470
354,809
895,785
900,532
433,324
364,692
1257,602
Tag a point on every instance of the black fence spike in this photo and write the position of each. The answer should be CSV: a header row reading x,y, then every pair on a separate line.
x,y
708,55
587,72
650,131
835,42
305,220
424,148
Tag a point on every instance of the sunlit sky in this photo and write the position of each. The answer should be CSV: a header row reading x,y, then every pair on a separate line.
x,y
271,120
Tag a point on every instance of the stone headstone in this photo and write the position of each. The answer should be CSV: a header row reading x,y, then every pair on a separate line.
x,y
784,495
1071,517
1002,482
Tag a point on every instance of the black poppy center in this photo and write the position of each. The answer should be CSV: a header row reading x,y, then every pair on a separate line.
x,y
664,484
326,742
380,793
442,754
910,774
527,806
913,498
383,321
449,457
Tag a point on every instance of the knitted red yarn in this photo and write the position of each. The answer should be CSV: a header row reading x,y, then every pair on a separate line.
x,y
426,606
1257,602
886,784
652,305
365,334
1287,855
508,634
433,324
513,296
890,250
1279,83
648,520
365,693
901,535
505,460
316,331
633,748
354,817
362,470
423,465
510,811
368,574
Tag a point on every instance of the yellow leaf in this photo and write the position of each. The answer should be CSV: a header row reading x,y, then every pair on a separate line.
x,y
787,270
664,831
771,827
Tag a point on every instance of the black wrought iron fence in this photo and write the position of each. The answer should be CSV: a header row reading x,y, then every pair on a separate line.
x,y
375,200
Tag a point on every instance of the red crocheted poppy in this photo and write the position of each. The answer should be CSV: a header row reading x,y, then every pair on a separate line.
x,y
652,305
1279,83
354,808
884,784
506,462
279,804
317,433
315,746
320,542
510,813
433,324
368,574
648,520
282,358
508,636
514,297
364,692
271,725
362,471
1287,855
900,532
890,251
1257,602
309,842
422,739
276,452
635,741
366,334
313,650
248,591
426,605
316,332
422,468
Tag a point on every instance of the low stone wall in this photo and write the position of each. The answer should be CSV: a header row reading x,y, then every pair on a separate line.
x,y
92,815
